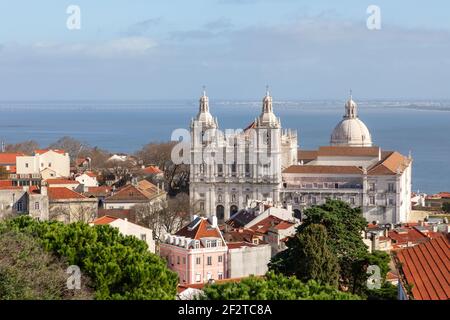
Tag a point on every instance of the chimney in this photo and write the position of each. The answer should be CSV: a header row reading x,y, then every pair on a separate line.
x,y
375,242
44,189
435,228
214,222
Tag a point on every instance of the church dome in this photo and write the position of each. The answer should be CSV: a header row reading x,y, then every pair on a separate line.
x,y
351,131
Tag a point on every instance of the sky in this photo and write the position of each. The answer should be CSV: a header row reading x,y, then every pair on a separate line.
x,y
155,49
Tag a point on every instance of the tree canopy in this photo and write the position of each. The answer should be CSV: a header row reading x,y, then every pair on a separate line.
x,y
273,287
344,226
120,267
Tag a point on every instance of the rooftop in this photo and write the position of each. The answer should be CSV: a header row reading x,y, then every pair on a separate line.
x,y
426,267
61,193
199,228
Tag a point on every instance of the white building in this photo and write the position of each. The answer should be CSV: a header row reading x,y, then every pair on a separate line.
x,y
221,184
47,163
352,170
88,179
129,229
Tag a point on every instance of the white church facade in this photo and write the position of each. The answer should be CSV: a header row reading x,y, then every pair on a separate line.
x,y
274,169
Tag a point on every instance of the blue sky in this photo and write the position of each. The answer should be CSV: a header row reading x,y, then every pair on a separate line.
x,y
158,49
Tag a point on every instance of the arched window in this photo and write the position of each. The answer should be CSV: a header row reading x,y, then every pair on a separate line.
x,y
233,210
220,212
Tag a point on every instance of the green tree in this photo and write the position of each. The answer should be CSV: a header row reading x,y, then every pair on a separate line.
x,y
27,271
121,267
310,258
344,226
273,287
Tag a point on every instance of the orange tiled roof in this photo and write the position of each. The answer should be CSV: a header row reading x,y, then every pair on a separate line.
x,y
426,267
128,193
337,151
240,235
61,193
323,169
104,220
42,151
307,154
61,181
101,190
390,164
9,158
202,229
240,244
152,170
410,233
271,221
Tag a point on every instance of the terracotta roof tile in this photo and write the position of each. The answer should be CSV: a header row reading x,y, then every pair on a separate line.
x,y
152,170
426,267
390,164
337,151
42,151
9,158
199,228
61,181
307,154
59,193
313,169
104,220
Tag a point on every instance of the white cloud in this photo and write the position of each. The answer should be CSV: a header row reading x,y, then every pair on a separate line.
x,y
127,46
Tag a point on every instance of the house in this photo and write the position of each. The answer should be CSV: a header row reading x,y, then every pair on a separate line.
x,y
197,252
437,200
68,206
153,171
247,258
100,193
129,229
13,200
412,234
142,192
8,161
82,164
424,270
48,163
376,180
275,231
16,200
88,179
257,211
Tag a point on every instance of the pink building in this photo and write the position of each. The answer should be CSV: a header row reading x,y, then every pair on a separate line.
x,y
197,252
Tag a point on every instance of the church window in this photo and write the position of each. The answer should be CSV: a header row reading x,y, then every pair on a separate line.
x,y
372,200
